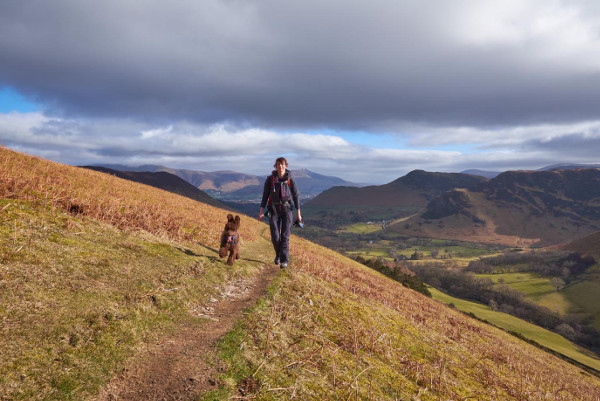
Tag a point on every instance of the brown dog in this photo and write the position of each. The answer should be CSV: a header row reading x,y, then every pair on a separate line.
x,y
230,239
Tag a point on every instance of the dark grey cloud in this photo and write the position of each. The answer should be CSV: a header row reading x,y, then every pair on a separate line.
x,y
307,64
574,147
232,84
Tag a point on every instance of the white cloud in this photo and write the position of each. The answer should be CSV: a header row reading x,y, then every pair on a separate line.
x,y
221,147
542,31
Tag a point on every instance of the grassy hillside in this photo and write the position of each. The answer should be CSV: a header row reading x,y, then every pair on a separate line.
x,y
510,323
94,269
335,330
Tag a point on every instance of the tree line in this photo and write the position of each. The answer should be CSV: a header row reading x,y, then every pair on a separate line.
x,y
396,272
566,265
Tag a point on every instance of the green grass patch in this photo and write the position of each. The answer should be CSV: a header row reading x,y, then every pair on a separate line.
x,y
531,285
363,228
78,297
536,288
583,298
510,323
382,248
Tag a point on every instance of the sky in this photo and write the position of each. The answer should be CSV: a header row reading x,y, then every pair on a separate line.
x,y
363,90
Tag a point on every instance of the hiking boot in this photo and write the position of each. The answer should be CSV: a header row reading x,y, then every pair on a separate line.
x,y
284,265
276,261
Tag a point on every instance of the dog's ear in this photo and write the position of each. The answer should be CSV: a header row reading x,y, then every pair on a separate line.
x,y
237,220
230,217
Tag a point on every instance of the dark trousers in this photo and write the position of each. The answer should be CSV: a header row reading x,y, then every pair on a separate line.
x,y
281,225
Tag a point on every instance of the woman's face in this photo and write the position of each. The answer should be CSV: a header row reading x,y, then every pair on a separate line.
x,y
280,167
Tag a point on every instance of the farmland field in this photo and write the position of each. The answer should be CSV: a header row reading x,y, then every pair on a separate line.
x,y
510,323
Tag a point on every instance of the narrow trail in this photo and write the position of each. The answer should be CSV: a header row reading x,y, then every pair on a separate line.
x,y
176,368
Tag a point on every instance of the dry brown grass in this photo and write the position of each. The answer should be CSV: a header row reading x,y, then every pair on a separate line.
x,y
126,205
336,330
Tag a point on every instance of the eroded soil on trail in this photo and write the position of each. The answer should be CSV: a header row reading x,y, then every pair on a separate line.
x,y
177,367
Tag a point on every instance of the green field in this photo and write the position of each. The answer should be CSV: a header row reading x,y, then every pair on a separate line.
x,y
583,298
373,253
363,228
456,253
531,285
510,323
579,298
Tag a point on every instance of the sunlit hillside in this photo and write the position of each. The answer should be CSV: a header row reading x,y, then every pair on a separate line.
x,y
516,208
95,269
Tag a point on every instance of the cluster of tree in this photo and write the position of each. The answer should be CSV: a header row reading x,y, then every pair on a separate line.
x,y
396,272
505,299
563,265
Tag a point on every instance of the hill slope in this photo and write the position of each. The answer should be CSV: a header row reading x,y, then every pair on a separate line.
x,y
413,190
93,275
588,245
516,208
163,180
405,196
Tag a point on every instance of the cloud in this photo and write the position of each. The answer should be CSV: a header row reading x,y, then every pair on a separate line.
x,y
308,64
497,138
220,147
229,84
576,147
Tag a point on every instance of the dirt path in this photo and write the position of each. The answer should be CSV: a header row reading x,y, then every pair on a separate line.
x,y
176,368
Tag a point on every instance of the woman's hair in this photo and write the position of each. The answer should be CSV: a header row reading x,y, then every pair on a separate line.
x,y
280,160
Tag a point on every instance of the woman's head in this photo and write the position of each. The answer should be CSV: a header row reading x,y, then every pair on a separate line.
x,y
281,160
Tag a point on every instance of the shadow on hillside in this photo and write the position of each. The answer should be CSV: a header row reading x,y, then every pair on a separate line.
x,y
191,253
209,248
213,258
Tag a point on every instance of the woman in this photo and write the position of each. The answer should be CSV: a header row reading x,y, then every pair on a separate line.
x,y
280,193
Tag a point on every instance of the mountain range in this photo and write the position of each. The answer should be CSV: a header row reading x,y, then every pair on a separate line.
x,y
515,208
415,189
239,187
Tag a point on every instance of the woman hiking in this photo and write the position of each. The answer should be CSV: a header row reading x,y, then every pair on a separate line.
x,y
280,194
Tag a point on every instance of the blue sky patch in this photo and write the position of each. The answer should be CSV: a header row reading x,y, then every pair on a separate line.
x,y
11,100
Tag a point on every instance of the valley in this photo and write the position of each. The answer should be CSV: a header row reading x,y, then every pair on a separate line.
x,y
574,301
